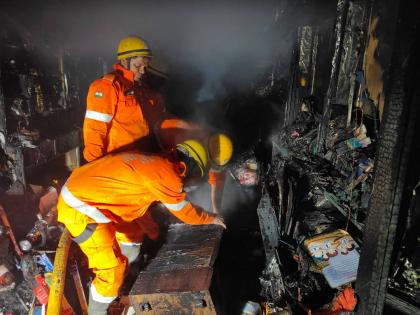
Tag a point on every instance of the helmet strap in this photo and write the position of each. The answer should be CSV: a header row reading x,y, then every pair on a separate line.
x,y
182,168
128,63
188,163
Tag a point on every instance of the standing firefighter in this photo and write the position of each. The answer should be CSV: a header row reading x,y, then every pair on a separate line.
x,y
171,131
100,202
121,108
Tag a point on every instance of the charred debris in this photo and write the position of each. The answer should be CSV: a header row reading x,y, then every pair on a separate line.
x,y
332,157
40,118
334,210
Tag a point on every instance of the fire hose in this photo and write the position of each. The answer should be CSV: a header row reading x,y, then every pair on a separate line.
x,y
59,275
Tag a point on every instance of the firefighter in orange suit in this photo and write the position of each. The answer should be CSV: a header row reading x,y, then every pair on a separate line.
x,y
171,131
100,200
121,108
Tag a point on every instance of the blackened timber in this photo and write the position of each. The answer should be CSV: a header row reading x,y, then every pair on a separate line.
x,y
180,303
342,7
350,36
302,71
184,262
401,306
3,128
268,225
353,37
396,136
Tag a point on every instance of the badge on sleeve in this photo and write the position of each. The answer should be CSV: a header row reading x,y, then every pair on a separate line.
x,y
99,94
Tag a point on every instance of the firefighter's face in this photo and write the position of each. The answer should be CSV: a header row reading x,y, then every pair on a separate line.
x,y
138,66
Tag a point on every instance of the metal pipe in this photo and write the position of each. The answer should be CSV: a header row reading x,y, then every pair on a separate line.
x,y
10,231
79,287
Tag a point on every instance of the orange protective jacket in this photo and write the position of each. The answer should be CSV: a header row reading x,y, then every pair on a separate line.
x,y
120,115
172,131
121,187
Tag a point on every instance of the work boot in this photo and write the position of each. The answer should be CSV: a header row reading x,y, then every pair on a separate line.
x,y
116,307
97,308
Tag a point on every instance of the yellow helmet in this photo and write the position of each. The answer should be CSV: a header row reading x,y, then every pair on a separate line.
x,y
132,46
195,150
220,149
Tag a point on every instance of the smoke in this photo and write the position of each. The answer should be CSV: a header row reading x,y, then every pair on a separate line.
x,y
197,42
208,48
239,203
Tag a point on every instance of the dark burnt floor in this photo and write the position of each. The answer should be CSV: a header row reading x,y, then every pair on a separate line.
x,y
241,257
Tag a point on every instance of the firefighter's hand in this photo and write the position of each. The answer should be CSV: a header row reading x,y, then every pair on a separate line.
x,y
218,220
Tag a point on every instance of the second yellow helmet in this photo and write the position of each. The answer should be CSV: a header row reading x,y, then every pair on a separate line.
x,y
220,149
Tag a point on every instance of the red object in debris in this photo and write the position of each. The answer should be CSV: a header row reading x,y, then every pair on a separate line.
x,y
345,302
42,290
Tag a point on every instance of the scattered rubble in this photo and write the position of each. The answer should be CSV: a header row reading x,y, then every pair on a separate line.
x,y
25,273
315,195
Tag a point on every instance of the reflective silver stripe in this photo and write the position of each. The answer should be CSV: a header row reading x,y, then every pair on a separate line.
x,y
82,207
99,297
91,114
130,244
87,233
176,206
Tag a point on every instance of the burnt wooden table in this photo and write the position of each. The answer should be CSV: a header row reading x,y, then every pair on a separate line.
x,y
177,280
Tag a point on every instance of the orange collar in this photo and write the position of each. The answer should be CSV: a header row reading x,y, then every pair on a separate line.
x,y
127,74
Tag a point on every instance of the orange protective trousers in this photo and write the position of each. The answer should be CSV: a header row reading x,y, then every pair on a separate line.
x,y
102,248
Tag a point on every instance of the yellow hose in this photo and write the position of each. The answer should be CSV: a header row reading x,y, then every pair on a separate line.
x,y
59,275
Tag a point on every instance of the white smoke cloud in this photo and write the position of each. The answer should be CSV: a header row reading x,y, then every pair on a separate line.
x,y
204,36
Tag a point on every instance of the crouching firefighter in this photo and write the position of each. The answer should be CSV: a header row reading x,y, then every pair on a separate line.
x,y
171,131
101,201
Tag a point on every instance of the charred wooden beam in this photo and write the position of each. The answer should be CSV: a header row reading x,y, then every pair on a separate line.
x,y
342,7
400,305
3,129
302,72
350,37
180,274
180,303
396,138
268,225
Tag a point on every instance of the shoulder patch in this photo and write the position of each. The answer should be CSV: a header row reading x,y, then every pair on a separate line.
x,y
99,94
